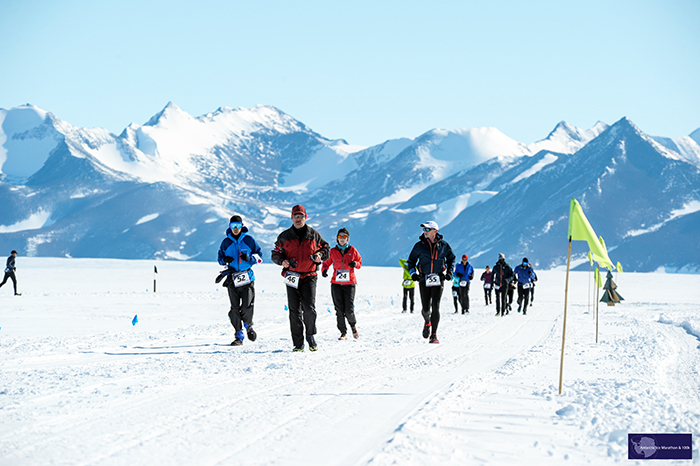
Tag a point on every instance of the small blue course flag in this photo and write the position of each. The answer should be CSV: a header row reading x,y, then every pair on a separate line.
x,y
135,320
285,307
329,310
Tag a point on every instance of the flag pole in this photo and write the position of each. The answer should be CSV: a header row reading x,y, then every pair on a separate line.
x,y
597,299
563,334
589,285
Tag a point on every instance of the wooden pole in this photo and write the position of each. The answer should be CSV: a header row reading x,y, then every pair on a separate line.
x,y
563,334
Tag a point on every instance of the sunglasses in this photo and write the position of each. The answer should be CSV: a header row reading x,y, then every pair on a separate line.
x,y
236,225
426,229
298,216
343,236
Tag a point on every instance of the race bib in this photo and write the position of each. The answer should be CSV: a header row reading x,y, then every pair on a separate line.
x,y
497,287
432,280
527,285
241,278
454,293
487,286
407,282
342,276
463,283
291,279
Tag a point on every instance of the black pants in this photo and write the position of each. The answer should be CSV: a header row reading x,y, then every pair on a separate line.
x,y
532,293
523,297
487,295
501,299
511,291
14,280
430,298
344,302
302,309
464,298
242,302
409,293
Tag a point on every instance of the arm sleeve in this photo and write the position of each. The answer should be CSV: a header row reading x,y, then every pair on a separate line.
x,y
278,254
412,259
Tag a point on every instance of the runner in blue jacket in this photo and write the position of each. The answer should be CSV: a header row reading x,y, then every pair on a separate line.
x,y
465,272
239,252
525,276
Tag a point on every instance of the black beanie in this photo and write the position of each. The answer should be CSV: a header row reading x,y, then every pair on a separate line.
x,y
236,218
343,230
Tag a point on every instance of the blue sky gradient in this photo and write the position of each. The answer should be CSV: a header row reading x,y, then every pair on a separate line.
x,y
362,71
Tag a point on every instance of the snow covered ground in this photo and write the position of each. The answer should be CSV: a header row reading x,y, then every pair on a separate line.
x,y
81,385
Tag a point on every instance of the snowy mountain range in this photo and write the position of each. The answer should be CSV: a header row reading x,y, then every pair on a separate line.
x,y
165,189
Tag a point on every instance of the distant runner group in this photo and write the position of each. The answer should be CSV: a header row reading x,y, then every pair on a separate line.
x,y
301,252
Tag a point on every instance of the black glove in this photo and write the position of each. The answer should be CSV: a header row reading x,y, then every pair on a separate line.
x,y
471,277
353,264
415,277
292,263
325,274
244,257
228,259
459,275
448,276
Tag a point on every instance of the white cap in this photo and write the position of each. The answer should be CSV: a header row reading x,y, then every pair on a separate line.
x,y
430,224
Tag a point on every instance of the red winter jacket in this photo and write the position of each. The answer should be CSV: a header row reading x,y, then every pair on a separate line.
x,y
341,261
298,251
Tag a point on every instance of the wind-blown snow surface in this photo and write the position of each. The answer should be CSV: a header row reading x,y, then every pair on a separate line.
x,y
79,384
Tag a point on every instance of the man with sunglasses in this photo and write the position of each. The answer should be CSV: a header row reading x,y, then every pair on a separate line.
x,y
300,250
430,263
239,252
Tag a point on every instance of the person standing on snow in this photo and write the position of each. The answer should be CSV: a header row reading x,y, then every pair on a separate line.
x,y
525,276
455,293
486,278
501,277
239,252
10,271
300,250
345,259
465,272
409,287
430,263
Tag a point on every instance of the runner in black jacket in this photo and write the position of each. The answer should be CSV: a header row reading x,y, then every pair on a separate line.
x,y
430,263
501,276
10,271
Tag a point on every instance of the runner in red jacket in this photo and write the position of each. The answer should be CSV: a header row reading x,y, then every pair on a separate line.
x,y
300,250
345,259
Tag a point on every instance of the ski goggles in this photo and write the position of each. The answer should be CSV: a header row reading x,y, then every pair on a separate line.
x,y
236,225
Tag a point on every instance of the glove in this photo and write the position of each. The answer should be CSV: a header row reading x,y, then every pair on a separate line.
x,y
244,257
460,275
448,276
353,264
471,277
228,259
325,274
415,277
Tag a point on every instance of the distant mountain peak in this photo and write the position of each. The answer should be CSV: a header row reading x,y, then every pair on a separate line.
x,y
695,135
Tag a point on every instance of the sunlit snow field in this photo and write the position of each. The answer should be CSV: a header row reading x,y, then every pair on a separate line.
x,y
81,385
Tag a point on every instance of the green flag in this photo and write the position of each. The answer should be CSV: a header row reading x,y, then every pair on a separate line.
x,y
590,257
598,279
619,267
581,230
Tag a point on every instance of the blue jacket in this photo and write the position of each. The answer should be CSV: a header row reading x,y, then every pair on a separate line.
x,y
233,247
524,274
464,272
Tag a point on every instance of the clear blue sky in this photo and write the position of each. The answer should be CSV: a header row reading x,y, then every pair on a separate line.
x,y
365,71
